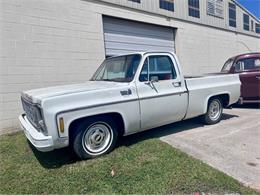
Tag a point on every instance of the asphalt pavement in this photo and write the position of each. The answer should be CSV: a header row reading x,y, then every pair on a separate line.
x,y
231,146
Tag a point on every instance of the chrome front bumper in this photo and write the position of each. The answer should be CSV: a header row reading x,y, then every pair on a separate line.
x,y
40,141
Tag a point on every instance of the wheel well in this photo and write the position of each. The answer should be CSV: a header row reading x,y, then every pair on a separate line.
x,y
115,116
224,98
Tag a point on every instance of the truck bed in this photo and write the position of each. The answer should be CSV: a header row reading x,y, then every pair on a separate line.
x,y
200,88
203,75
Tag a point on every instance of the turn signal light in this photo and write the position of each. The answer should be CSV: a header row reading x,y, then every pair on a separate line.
x,y
61,121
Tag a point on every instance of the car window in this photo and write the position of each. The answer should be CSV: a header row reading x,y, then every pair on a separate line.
x,y
227,65
160,67
248,64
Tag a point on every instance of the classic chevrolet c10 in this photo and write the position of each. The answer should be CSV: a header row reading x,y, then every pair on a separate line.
x,y
126,95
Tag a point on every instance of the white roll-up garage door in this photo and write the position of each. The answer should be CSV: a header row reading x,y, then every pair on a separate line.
x,y
124,36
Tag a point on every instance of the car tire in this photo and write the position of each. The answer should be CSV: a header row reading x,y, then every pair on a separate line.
x,y
214,111
95,137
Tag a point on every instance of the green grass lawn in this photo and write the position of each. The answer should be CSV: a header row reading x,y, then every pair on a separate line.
x,y
140,166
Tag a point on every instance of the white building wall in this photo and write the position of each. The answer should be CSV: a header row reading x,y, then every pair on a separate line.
x,y
53,42
45,43
203,49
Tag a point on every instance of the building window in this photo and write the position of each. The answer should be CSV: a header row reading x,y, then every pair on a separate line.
x,y
246,22
167,5
194,8
215,8
136,1
232,15
257,28
252,25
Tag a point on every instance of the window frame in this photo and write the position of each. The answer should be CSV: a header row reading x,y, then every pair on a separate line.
x,y
193,8
252,25
167,4
246,26
257,28
230,18
174,67
245,70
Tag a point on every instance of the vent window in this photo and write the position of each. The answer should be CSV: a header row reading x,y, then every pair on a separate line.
x,y
215,8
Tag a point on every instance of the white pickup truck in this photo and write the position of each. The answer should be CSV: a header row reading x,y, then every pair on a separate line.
x,y
127,94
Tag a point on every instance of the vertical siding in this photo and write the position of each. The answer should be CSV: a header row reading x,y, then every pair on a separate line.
x,y
181,12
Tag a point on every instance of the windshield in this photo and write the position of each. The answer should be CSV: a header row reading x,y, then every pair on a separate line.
x,y
118,69
227,66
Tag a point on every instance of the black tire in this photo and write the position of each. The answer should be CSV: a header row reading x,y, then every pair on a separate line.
x,y
89,132
210,118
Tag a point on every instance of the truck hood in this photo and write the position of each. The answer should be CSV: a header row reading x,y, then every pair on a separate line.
x,y
36,95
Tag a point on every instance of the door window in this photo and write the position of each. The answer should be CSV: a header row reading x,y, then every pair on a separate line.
x,y
160,67
248,64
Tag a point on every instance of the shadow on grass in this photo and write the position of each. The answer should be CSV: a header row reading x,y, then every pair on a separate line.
x,y
54,159
58,158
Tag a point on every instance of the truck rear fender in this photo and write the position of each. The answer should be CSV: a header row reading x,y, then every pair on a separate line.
x,y
224,96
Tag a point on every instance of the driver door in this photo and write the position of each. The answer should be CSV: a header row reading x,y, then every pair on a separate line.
x,y
162,92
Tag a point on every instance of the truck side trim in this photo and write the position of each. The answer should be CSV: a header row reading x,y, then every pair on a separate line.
x,y
119,102
164,95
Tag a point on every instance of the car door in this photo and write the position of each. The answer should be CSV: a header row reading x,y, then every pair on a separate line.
x,y
162,93
249,72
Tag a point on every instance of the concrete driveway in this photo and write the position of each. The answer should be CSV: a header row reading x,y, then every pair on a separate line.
x,y
232,146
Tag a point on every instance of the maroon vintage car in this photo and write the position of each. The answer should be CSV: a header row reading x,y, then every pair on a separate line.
x,y
248,68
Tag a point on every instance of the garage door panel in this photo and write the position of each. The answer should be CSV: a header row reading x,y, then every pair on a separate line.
x,y
123,36
112,25
134,47
138,40
113,52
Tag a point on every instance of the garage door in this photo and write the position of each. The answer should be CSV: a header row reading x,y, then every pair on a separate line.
x,y
124,36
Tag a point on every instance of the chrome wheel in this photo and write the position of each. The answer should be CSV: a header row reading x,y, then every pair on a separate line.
x,y
97,138
214,110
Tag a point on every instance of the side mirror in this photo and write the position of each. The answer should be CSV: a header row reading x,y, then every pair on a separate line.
x,y
154,79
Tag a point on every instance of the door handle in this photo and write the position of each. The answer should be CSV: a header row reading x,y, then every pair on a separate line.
x,y
176,84
126,92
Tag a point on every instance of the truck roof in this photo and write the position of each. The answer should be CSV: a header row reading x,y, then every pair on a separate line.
x,y
143,53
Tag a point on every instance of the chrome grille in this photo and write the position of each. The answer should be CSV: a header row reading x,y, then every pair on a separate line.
x,y
32,112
